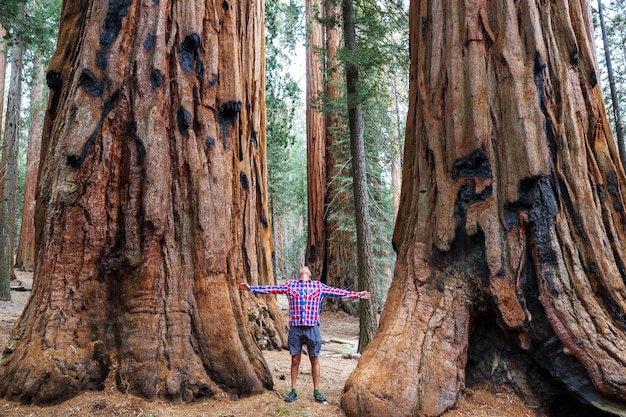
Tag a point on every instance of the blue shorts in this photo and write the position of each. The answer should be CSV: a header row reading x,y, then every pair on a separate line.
x,y
301,335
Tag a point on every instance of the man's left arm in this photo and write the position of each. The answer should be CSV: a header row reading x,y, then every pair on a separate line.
x,y
341,293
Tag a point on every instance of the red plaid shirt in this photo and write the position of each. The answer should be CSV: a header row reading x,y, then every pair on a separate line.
x,y
305,298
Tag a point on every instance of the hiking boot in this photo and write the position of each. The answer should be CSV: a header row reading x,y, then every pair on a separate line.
x,y
291,397
319,397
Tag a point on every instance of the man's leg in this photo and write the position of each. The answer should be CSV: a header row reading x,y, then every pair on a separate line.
x,y
295,349
315,370
295,367
314,345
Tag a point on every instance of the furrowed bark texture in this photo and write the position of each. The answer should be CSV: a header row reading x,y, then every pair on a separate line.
x,y
8,166
365,254
152,206
279,244
25,254
341,270
3,67
316,142
512,210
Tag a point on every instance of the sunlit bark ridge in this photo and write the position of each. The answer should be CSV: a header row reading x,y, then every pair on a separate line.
x,y
152,206
512,210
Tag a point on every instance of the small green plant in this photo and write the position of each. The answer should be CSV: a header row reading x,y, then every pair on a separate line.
x,y
284,411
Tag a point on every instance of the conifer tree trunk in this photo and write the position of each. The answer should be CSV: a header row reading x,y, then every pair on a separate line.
x,y
316,141
3,67
365,253
279,247
341,269
9,165
396,182
619,129
25,256
152,206
511,229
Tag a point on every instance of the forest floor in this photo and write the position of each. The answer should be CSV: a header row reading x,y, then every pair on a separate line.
x,y
338,359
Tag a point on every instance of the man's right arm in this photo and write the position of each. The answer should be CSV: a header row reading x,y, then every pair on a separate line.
x,y
264,289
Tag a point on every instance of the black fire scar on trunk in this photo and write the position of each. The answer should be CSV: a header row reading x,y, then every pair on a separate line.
x,y
593,79
149,42
227,117
548,127
190,50
255,139
475,165
111,27
184,121
54,81
156,78
77,160
535,197
90,83
244,181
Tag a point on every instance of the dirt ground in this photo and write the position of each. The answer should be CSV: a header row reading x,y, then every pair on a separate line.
x,y
338,358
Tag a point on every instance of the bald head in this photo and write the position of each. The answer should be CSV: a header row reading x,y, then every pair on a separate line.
x,y
304,273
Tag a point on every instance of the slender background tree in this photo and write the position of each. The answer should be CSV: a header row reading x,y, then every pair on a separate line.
x,y
9,160
3,66
611,35
621,142
381,59
365,255
25,255
31,34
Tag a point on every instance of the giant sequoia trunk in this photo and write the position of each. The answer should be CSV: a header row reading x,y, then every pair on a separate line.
x,y
316,141
511,229
152,206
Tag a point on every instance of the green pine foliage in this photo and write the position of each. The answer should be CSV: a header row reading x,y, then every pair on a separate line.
x,y
38,29
383,60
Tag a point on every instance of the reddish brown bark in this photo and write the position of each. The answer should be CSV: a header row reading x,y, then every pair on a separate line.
x,y
511,229
279,245
340,257
396,182
25,256
316,141
152,206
